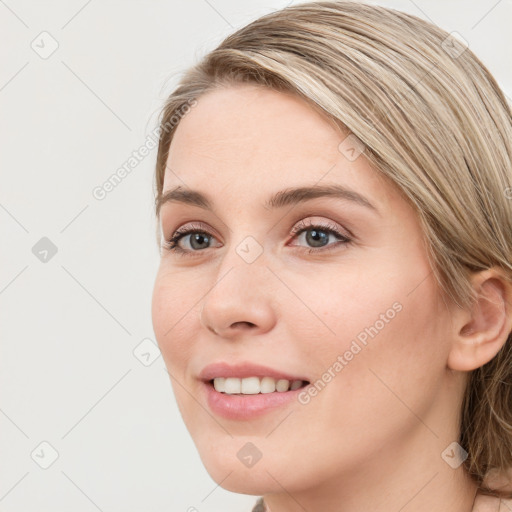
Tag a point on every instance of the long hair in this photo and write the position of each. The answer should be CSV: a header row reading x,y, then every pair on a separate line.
x,y
432,120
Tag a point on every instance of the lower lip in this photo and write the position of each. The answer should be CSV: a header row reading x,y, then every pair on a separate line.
x,y
246,407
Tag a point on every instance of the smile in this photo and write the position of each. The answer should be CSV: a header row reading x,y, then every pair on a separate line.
x,y
255,385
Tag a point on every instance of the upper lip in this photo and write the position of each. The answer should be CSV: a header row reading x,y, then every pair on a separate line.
x,y
244,369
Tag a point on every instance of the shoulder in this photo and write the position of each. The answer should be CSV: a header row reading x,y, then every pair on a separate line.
x,y
484,503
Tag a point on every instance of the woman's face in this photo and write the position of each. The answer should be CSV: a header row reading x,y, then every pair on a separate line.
x,y
362,321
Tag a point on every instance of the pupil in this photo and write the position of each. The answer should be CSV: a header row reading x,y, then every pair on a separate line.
x,y
198,237
316,235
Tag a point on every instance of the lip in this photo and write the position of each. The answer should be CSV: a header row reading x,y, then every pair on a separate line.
x,y
245,369
246,407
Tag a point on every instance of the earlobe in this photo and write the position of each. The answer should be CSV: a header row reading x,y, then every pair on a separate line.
x,y
480,333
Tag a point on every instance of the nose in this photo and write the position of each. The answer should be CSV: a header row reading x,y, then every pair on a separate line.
x,y
240,302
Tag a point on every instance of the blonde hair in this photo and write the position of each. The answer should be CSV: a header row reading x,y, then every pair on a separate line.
x,y
432,119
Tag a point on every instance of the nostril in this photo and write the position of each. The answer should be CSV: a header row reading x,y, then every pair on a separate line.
x,y
243,324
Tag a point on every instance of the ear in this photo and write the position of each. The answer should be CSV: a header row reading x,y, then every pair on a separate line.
x,y
482,330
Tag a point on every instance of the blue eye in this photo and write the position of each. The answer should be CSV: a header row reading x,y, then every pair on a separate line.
x,y
200,236
319,234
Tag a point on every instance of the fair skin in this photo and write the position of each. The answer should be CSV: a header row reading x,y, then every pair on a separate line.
x,y
372,439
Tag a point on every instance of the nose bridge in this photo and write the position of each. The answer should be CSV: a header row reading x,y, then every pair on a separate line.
x,y
246,244
241,273
241,293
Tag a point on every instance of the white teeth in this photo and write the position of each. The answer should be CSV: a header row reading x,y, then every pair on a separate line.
x,y
267,385
218,384
253,385
250,386
232,385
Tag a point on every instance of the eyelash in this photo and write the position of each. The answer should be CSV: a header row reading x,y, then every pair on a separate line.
x,y
172,244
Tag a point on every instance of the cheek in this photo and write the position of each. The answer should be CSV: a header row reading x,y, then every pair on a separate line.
x,y
172,309
344,307
372,337
393,358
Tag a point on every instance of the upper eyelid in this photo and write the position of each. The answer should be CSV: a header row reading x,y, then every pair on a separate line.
x,y
298,227
326,224
305,219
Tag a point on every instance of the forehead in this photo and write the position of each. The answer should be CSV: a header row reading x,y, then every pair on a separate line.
x,y
253,140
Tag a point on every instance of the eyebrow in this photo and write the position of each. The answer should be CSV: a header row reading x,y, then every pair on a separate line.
x,y
286,197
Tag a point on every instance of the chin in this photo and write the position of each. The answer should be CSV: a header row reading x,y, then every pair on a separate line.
x,y
255,480
252,482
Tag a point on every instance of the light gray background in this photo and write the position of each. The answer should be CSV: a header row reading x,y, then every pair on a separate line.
x,y
70,325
